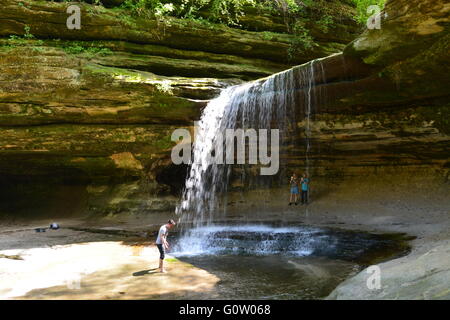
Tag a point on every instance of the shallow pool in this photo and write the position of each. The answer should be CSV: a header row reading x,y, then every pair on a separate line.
x,y
265,261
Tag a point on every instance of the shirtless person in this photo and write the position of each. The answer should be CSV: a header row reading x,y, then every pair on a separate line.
x,y
162,244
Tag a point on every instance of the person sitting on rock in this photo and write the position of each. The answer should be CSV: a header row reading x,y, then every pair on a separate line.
x,y
294,189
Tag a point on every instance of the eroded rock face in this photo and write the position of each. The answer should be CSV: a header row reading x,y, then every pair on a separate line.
x,y
93,109
383,102
380,106
88,114
172,38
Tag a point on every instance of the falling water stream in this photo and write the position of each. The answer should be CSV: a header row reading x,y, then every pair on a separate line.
x,y
269,103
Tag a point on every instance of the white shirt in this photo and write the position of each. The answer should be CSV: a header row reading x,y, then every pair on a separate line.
x,y
162,232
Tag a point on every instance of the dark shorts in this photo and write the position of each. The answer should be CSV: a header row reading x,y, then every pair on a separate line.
x,y
161,251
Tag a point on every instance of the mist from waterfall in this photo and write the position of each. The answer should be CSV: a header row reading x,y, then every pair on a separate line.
x,y
269,103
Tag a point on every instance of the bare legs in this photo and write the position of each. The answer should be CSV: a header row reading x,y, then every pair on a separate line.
x,y
293,198
161,266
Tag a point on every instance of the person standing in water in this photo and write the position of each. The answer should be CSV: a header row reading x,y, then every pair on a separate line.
x,y
162,244
294,189
305,188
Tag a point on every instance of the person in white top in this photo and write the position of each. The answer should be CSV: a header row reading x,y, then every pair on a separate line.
x,y
162,244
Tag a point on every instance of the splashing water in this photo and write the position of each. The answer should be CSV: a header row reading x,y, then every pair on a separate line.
x,y
266,239
250,240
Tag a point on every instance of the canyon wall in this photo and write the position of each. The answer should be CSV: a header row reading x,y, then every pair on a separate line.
x,y
86,115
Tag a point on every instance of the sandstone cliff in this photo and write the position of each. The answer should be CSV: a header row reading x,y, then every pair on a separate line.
x,y
86,115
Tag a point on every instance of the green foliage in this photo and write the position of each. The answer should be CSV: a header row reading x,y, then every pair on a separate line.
x,y
228,11
284,7
221,11
90,50
266,35
148,8
164,87
325,22
15,41
299,16
303,40
361,8
27,34
37,49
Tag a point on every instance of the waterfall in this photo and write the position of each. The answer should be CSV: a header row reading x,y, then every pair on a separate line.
x,y
267,103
